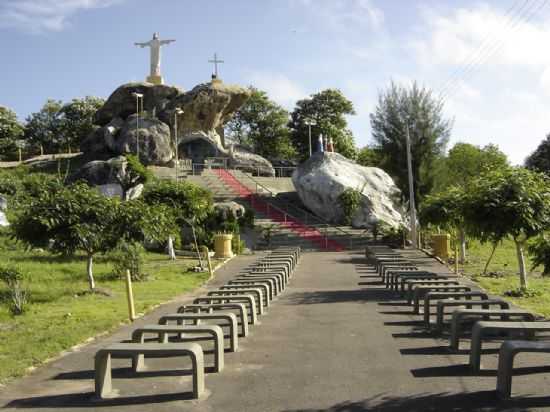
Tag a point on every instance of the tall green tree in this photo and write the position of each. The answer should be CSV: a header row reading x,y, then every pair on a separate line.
x,y
11,130
369,156
329,109
61,127
262,125
539,160
464,163
514,202
76,119
414,108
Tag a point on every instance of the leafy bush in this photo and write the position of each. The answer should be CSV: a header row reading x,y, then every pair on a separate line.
x,y
129,256
394,236
350,200
539,250
247,220
13,278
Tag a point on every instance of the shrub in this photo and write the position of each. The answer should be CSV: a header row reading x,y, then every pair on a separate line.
x,y
129,256
539,250
350,200
13,278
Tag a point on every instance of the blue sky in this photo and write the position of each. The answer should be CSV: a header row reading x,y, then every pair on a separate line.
x,y
291,48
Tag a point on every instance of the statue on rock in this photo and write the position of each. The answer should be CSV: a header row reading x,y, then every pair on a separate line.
x,y
321,179
155,44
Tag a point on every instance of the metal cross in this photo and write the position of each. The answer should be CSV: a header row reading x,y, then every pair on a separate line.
x,y
215,61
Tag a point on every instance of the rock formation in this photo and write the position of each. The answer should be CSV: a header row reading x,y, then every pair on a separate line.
x,y
321,179
206,108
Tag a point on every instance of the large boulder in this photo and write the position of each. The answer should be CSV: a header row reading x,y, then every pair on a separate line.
x,y
241,158
323,177
122,102
101,172
155,146
205,110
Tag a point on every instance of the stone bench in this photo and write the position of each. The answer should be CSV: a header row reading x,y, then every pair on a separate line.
x,y
395,276
468,295
482,328
103,380
162,332
229,318
507,353
257,271
246,299
261,290
411,284
254,293
277,279
505,314
268,284
273,282
420,292
210,308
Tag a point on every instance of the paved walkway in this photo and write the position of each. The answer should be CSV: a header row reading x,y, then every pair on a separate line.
x,y
336,340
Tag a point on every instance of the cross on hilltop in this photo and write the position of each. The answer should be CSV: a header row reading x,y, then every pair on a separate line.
x,y
215,61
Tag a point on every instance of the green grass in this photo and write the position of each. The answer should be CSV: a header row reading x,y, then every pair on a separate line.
x,y
502,276
61,314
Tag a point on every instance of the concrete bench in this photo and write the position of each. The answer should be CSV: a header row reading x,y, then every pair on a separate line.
x,y
210,308
268,284
450,295
411,284
254,293
246,299
262,290
507,353
229,318
395,276
504,314
275,278
257,271
103,380
272,281
420,292
482,328
162,332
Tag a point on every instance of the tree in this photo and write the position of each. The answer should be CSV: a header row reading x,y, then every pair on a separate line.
x,y
77,120
328,108
78,218
464,163
10,131
513,202
189,203
416,109
369,156
60,127
261,124
539,160
42,127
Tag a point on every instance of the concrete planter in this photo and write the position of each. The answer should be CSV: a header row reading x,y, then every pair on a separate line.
x,y
222,246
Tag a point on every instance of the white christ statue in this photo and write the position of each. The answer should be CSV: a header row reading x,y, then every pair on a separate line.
x,y
154,45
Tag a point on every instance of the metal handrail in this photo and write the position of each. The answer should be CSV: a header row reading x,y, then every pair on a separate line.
x,y
323,223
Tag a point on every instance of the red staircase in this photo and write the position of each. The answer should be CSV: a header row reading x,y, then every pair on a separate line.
x,y
275,214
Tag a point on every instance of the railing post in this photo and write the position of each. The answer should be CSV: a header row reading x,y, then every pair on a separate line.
x,y
285,218
326,237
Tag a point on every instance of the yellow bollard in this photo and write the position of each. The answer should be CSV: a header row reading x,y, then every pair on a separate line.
x,y
130,297
441,245
206,252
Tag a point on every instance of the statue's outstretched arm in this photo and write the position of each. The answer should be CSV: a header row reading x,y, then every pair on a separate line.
x,y
166,41
142,44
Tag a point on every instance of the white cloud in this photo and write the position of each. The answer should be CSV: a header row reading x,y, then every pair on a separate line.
x,y
278,87
344,15
38,16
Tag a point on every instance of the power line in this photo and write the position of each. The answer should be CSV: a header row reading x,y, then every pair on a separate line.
x,y
525,18
467,61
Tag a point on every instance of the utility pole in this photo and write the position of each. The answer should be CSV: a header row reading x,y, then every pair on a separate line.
x,y
412,207
309,123
176,140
